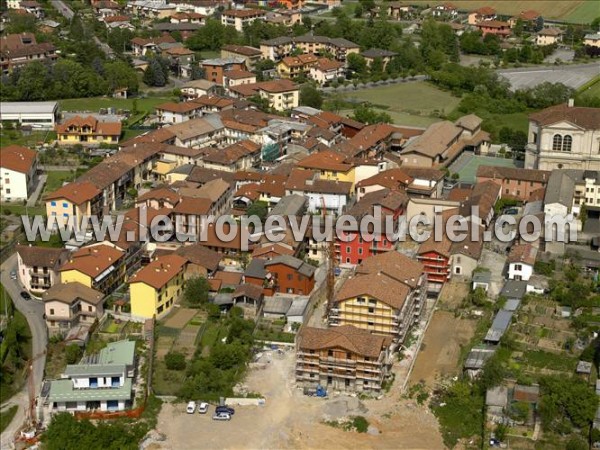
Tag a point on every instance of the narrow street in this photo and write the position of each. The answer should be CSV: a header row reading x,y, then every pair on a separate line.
x,y
33,311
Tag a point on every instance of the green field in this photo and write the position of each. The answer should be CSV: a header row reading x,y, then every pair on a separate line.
x,y
585,12
411,104
93,104
7,416
591,89
468,173
56,179
16,137
571,10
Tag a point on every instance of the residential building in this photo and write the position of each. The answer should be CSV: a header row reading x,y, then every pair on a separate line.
x,y
239,18
18,50
295,66
445,10
38,267
435,257
592,40
70,203
516,183
155,288
87,131
528,18
330,166
327,71
377,54
399,10
465,255
141,46
242,155
18,170
251,55
483,14
521,260
290,275
564,137
41,115
151,9
238,77
331,195
281,95
214,69
103,381
278,48
496,27
171,112
385,296
344,358
198,88
548,36
188,214
98,266
201,261
392,179
70,304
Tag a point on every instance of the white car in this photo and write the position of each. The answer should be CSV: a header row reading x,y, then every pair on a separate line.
x,y
203,408
222,416
191,407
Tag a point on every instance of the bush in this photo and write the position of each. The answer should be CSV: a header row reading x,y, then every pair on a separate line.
x,y
360,424
175,361
73,353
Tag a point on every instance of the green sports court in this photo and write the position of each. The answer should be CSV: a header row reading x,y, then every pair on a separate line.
x,y
466,165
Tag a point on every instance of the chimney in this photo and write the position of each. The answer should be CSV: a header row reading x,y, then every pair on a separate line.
x,y
571,103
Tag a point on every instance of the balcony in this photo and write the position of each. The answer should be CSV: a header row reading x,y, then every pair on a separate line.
x,y
331,361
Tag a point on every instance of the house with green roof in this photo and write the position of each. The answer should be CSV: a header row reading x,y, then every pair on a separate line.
x,y
102,381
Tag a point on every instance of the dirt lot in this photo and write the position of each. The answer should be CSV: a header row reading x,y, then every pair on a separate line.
x,y
441,347
180,317
291,420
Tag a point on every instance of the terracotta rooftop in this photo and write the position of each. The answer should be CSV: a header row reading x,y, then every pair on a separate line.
x,y
183,107
326,160
41,256
513,173
378,285
17,158
391,179
193,206
347,337
69,293
238,75
300,60
160,271
77,192
199,255
97,127
522,253
93,260
395,265
244,13
242,50
586,118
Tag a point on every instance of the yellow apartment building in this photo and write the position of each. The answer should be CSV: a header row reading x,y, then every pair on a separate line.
x,y
331,166
155,288
72,202
87,131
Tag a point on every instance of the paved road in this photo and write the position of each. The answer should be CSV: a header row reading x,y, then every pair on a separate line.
x,y
62,8
33,310
38,190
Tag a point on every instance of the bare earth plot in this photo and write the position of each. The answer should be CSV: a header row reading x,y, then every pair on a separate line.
x,y
180,318
290,420
571,76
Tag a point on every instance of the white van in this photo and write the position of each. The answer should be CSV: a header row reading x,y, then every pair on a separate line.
x,y
191,407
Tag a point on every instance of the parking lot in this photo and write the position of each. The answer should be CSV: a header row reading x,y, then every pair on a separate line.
x,y
292,420
573,76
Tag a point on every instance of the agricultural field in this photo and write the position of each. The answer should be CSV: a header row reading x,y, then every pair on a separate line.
x,y
411,104
571,10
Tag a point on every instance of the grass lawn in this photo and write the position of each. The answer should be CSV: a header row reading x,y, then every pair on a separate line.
x,y
20,210
56,178
165,381
7,416
4,298
591,89
468,173
585,12
93,104
211,334
16,137
547,360
551,9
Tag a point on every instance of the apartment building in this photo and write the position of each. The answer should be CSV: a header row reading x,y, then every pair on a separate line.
x,y
251,55
435,257
281,95
327,71
343,358
290,275
214,69
564,137
70,304
171,112
242,155
70,203
239,18
330,166
548,36
295,66
38,267
495,27
102,381
98,266
278,48
483,14
198,88
18,50
516,183
18,170
87,131
385,296
155,288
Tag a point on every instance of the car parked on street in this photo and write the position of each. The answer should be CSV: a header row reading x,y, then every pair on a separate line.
x,y
25,295
13,275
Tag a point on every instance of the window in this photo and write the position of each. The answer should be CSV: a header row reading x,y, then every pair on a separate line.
x,y
557,143
372,302
65,205
89,309
567,143
370,323
518,267
458,259
51,311
360,300
7,180
8,191
53,203
371,310
330,353
360,251
289,277
347,249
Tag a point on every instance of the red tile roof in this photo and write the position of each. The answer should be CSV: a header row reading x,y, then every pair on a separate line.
x,y
160,271
17,158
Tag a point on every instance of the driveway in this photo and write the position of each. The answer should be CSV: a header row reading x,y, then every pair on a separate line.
x,y
63,9
33,311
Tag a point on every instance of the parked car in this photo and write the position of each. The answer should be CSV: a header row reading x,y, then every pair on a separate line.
x,y
13,275
25,295
222,416
191,407
203,408
225,409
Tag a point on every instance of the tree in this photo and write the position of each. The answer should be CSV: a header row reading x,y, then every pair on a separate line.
x,y
259,209
358,11
119,75
154,74
356,64
197,73
365,114
196,291
73,353
175,361
310,96
577,443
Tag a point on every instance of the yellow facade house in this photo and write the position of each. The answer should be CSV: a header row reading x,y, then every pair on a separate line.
x,y
155,288
87,131
72,202
100,267
331,166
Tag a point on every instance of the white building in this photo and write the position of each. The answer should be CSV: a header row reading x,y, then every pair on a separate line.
x,y
239,18
564,137
37,267
593,40
103,381
521,260
37,114
18,167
